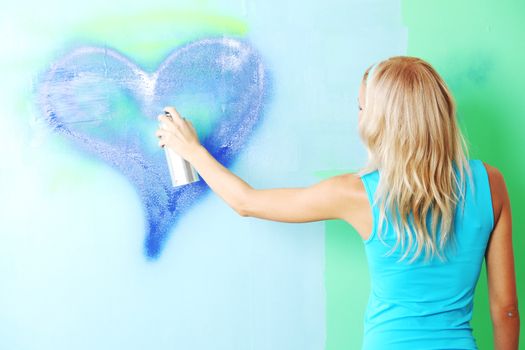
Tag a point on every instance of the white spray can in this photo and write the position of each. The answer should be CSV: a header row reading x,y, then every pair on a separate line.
x,y
181,171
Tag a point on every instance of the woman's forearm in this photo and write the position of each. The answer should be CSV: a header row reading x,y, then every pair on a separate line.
x,y
232,189
506,332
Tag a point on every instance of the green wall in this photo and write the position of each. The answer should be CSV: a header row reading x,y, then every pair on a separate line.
x,y
479,49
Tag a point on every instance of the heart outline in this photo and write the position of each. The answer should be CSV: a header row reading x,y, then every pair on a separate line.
x,y
224,59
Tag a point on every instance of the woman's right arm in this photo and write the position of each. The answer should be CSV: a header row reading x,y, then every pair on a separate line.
x,y
499,258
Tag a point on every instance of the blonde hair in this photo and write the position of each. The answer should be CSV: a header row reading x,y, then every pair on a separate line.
x,y
412,137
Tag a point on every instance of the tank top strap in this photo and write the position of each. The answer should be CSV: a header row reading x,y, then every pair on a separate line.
x,y
370,182
482,195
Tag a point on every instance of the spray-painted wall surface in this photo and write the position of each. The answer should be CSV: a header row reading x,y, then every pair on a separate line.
x,y
98,251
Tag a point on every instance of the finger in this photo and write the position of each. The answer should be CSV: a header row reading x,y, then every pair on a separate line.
x,y
162,130
173,112
188,125
169,134
178,133
174,123
164,118
167,123
176,117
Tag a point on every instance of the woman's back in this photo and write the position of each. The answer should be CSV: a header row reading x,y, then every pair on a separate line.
x,y
428,304
407,121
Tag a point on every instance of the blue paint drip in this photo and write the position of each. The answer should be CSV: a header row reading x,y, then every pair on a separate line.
x,y
106,106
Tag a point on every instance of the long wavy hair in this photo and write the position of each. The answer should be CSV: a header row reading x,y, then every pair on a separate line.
x,y
409,127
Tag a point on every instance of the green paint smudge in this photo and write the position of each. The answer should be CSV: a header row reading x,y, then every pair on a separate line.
x,y
147,37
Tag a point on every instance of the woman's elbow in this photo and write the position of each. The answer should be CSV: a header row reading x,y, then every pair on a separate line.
x,y
244,214
243,206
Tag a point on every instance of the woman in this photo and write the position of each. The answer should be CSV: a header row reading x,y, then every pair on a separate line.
x,y
426,213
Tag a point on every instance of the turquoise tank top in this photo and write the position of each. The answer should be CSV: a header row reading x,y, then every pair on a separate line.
x,y
427,305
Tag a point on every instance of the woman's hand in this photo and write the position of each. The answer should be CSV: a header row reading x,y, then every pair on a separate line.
x,y
177,134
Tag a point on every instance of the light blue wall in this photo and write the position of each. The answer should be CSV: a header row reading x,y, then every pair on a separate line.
x,y
75,265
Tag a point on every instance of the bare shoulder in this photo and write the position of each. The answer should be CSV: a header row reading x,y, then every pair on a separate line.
x,y
498,189
351,185
357,210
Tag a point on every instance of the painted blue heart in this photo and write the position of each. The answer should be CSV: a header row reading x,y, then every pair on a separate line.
x,y
106,105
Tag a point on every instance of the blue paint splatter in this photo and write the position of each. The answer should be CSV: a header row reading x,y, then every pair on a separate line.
x,y
106,105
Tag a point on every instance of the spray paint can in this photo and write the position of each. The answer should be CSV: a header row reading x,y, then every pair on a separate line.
x,y
181,171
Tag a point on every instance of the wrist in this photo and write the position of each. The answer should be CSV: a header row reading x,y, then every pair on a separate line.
x,y
197,153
